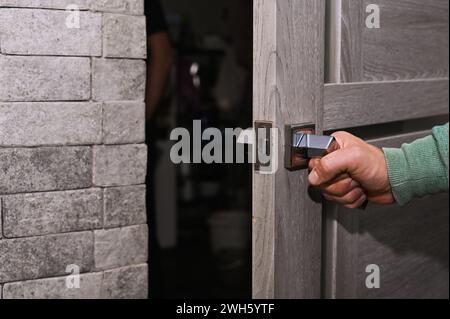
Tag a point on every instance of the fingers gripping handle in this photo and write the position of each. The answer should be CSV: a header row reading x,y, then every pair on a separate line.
x,y
311,146
302,145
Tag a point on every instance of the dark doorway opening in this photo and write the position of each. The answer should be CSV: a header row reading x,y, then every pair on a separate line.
x,y
203,212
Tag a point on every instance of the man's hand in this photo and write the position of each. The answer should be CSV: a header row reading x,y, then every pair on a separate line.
x,y
355,173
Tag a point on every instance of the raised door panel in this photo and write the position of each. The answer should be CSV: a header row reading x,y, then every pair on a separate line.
x,y
410,43
409,244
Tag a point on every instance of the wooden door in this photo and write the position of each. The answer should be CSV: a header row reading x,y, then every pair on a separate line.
x,y
317,61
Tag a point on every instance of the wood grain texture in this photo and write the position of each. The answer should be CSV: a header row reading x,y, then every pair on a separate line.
x,y
399,140
352,19
287,225
360,104
265,99
412,42
410,244
300,78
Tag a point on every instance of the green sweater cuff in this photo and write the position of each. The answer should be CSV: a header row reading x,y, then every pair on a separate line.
x,y
397,166
416,170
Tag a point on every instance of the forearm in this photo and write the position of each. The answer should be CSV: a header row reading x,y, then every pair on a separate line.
x,y
159,67
420,168
156,81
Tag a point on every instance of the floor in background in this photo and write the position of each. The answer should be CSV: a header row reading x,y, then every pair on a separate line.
x,y
207,277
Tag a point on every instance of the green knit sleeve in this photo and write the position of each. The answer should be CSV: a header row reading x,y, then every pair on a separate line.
x,y
420,168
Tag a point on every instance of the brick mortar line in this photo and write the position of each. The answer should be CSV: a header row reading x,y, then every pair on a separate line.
x,y
74,101
99,57
52,55
102,30
82,273
81,10
47,9
91,80
1,218
68,190
73,232
70,145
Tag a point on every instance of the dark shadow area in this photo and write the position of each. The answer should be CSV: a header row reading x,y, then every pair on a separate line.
x,y
383,130
201,243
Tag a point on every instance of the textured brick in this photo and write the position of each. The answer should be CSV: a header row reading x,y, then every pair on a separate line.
x,y
50,213
125,206
124,36
63,93
45,256
123,122
44,169
126,283
35,124
34,78
117,80
21,27
135,7
56,288
121,247
120,165
48,4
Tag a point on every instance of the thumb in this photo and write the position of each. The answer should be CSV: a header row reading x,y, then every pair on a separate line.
x,y
332,165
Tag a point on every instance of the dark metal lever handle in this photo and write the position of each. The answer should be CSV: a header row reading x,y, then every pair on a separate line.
x,y
308,146
311,146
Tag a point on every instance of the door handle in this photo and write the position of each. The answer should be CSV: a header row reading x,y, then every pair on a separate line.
x,y
311,146
302,144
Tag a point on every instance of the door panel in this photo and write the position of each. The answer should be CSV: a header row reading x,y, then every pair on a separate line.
x,y
410,245
396,73
411,43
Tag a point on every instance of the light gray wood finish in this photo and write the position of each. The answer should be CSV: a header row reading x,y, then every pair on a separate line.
x,y
346,21
351,45
379,76
297,253
288,88
360,104
412,42
398,140
265,99
410,244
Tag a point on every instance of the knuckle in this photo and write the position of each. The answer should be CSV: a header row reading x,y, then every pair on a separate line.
x,y
338,189
354,195
313,163
341,134
326,165
357,153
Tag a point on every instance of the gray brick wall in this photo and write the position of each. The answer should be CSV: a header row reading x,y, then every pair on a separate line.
x,y
72,152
